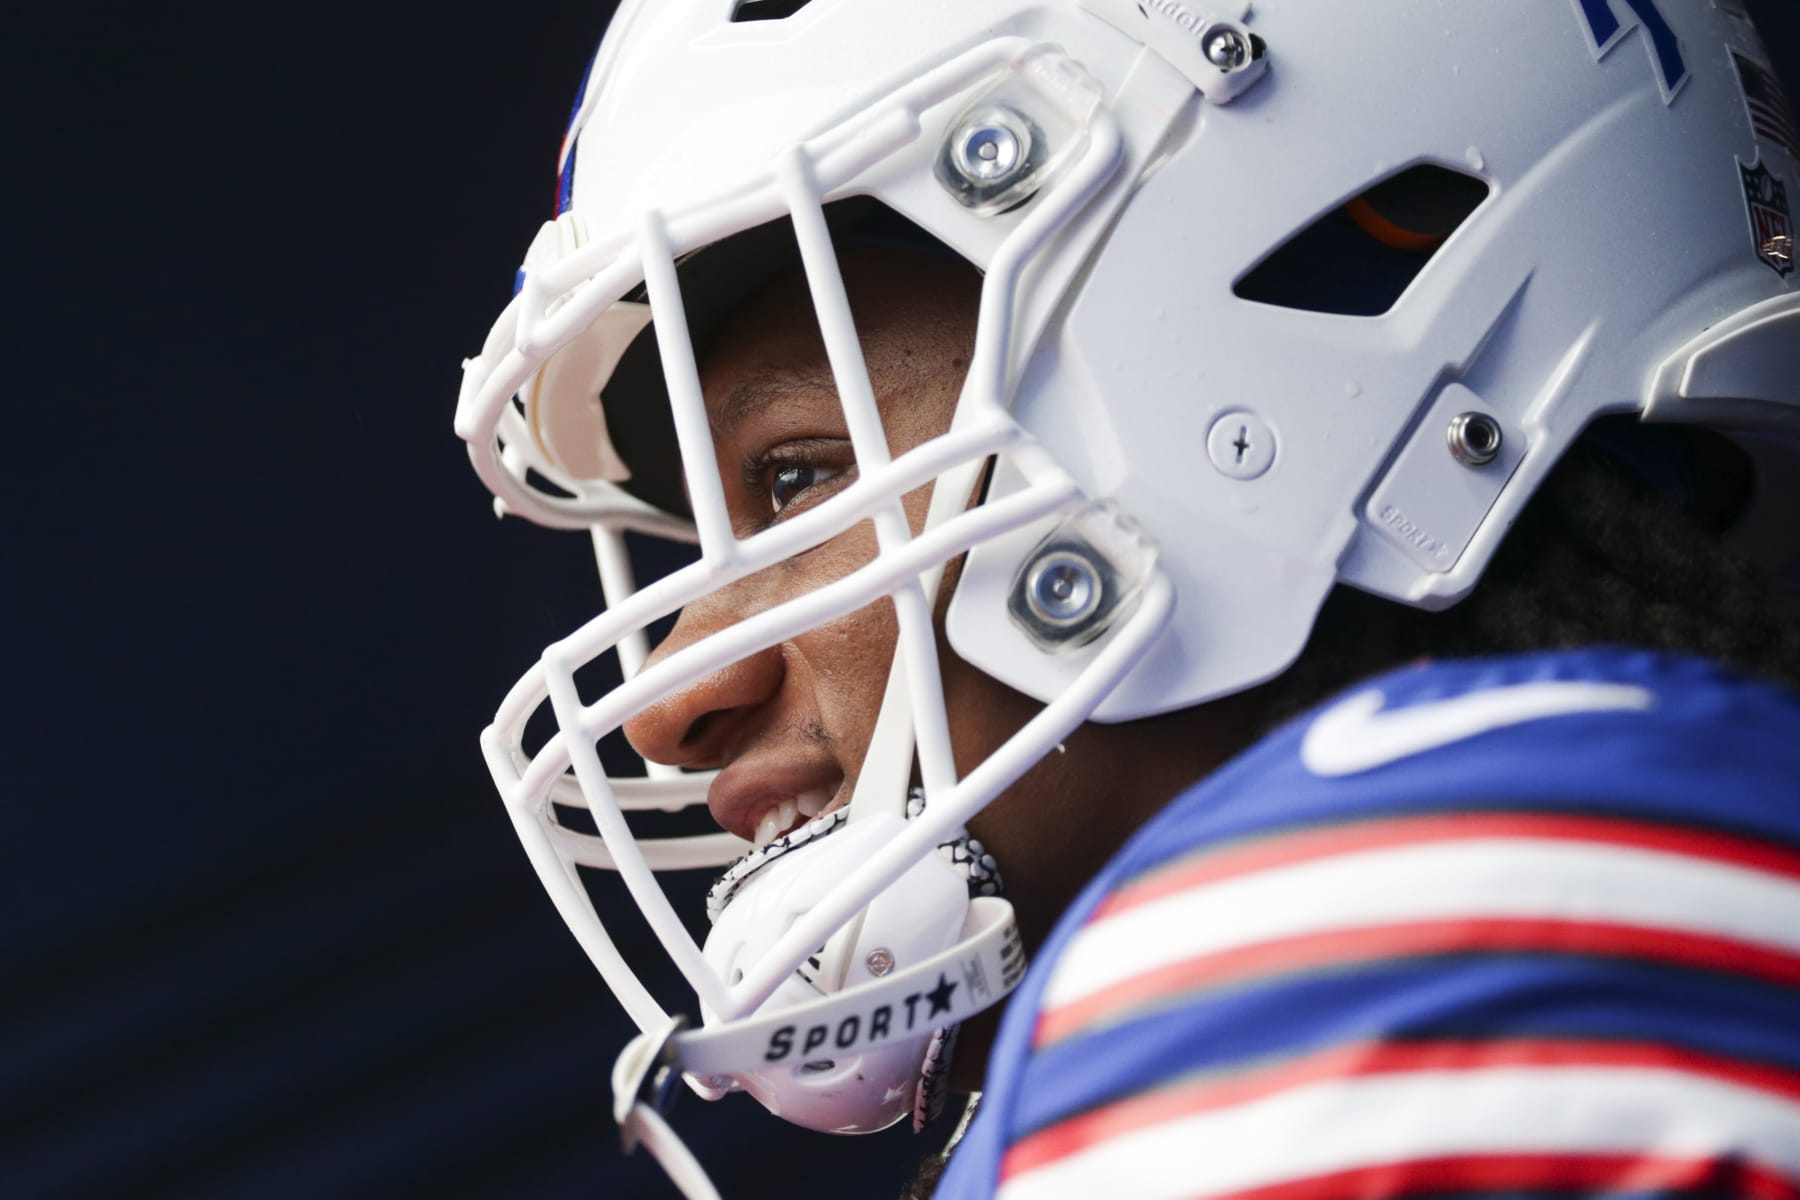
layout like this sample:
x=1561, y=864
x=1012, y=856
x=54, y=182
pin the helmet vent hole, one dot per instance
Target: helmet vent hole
x=1359, y=258
x=766, y=10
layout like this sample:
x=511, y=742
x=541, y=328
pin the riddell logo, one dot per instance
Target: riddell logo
x=1183, y=16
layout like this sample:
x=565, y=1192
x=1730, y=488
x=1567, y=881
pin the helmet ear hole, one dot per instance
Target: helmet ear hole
x=1358, y=259
x=1419, y=208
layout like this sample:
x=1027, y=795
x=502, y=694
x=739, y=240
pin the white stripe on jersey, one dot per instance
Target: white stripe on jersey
x=1495, y=877
x=1342, y=1124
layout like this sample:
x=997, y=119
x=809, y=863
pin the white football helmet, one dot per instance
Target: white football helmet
x=1196, y=417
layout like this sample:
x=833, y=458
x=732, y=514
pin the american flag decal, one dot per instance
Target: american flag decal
x=1767, y=105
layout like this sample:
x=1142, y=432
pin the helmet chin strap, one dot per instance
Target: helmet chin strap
x=950, y=986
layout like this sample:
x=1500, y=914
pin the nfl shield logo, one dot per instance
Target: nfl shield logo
x=1771, y=225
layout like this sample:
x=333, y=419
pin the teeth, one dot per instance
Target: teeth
x=775, y=822
x=788, y=814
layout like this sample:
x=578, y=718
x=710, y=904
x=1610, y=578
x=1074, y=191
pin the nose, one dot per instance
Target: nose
x=699, y=726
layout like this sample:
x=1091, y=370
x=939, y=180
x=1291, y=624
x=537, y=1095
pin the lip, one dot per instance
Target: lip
x=741, y=793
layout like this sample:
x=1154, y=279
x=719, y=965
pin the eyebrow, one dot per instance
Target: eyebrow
x=752, y=396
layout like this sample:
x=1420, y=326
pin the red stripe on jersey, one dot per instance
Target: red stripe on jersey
x=1572, y=1173
x=1136, y=1113
x=1338, y=947
x=1331, y=841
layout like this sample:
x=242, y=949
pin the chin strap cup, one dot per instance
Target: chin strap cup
x=943, y=990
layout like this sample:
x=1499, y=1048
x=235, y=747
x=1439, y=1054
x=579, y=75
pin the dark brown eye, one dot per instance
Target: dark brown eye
x=788, y=482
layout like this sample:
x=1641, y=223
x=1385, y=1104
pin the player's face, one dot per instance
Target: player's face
x=789, y=727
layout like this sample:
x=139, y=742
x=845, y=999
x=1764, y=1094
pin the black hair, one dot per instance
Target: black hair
x=925, y=1180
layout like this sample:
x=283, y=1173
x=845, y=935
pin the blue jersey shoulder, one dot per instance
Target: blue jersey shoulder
x=1597, y=748
x=1596, y=731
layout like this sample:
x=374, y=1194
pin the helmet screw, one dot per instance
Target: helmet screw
x=1241, y=445
x=879, y=962
x=991, y=147
x=1475, y=439
x=1226, y=49
x=1062, y=588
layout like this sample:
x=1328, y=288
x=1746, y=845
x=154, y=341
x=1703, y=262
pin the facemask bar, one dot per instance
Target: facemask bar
x=917, y=647
x=617, y=578
x=981, y=430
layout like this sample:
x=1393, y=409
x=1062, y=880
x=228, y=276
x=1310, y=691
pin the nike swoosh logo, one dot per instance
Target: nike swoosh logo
x=1355, y=735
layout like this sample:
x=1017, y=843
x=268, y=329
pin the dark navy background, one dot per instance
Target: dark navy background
x=266, y=931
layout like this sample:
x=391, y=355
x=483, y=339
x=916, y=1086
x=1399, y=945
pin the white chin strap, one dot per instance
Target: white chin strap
x=943, y=990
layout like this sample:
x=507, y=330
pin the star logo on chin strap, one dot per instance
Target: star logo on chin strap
x=940, y=995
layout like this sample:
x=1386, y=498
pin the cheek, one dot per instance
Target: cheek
x=983, y=712
x=846, y=659
x=845, y=665
x=1050, y=833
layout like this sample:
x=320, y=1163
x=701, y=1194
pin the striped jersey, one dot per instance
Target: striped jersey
x=1523, y=926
